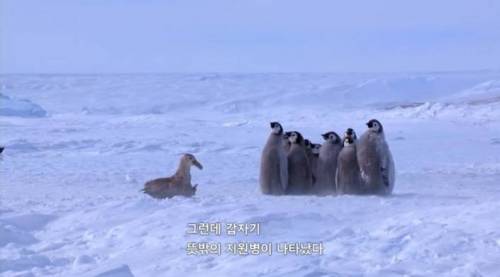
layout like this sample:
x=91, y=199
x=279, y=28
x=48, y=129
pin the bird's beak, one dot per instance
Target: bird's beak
x=197, y=164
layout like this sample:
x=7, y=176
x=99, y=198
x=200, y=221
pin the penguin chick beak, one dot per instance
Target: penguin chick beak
x=197, y=164
x=369, y=124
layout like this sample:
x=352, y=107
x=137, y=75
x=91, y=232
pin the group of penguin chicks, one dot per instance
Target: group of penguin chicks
x=292, y=165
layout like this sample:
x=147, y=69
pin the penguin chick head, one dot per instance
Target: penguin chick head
x=375, y=126
x=331, y=137
x=315, y=148
x=350, y=133
x=277, y=128
x=307, y=143
x=295, y=137
x=190, y=160
x=349, y=140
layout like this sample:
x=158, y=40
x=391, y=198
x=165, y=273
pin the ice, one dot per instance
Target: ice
x=19, y=107
x=486, y=92
x=70, y=203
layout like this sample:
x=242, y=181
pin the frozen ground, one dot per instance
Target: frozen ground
x=70, y=206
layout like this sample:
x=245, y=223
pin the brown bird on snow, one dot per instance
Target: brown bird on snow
x=177, y=184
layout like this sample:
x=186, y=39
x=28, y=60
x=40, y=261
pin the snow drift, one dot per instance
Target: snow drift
x=19, y=107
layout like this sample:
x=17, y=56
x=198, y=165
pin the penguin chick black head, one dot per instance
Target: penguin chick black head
x=277, y=128
x=350, y=133
x=295, y=137
x=307, y=143
x=375, y=126
x=349, y=137
x=315, y=148
x=331, y=136
x=349, y=140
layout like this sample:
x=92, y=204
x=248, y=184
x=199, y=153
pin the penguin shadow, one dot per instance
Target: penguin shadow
x=412, y=195
x=495, y=141
x=398, y=138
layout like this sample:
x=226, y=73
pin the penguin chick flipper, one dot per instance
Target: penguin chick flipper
x=385, y=176
x=283, y=172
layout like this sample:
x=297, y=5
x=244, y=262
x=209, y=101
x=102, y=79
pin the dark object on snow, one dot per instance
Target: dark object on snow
x=1, y=149
x=177, y=184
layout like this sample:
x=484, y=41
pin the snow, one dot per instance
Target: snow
x=19, y=107
x=70, y=203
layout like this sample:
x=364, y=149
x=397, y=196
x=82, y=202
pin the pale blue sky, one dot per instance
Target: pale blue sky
x=112, y=36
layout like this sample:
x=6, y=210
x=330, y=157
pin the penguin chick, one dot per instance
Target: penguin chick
x=299, y=170
x=177, y=184
x=313, y=160
x=286, y=142
x=308, y=147
x=316, y=147
x=274, y=164
x=327, y=164
x=375, y=160
x=310, y=157
x=348, y=178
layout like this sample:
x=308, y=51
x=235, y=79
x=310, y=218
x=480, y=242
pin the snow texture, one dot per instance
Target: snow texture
x=69, y=182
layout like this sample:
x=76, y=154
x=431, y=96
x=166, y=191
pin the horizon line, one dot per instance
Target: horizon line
x=252, y=72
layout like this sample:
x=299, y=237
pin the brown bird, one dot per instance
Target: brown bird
x=177, y=184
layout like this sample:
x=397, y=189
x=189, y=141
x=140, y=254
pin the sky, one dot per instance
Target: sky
x=134, y=36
